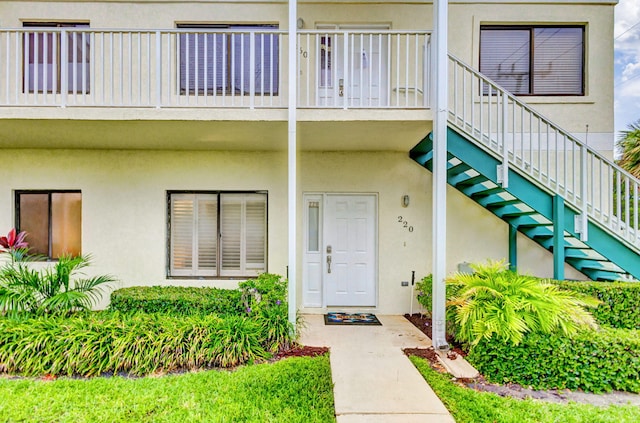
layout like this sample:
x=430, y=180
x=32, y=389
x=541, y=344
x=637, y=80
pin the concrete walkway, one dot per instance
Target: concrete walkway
x=373, y=380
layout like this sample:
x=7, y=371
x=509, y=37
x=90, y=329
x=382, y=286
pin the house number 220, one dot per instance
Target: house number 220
x=405, y=224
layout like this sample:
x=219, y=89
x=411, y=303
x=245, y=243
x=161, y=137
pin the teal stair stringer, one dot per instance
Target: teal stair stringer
x=529, y=208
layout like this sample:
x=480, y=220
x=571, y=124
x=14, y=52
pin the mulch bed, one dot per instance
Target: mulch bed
x=302, y=351
x=512, y=390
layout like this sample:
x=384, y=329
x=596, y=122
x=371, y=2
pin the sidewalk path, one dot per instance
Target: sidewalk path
x=374, y=381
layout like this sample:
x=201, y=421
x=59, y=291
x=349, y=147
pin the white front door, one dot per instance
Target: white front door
x=340, y=260
x=352, y=67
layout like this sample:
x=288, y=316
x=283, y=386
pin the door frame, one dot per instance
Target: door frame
x=317, y=298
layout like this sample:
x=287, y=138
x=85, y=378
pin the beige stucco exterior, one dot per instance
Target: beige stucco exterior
x=125, y=159
x=124, y=208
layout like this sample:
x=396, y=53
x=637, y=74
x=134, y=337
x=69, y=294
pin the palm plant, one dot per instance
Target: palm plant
x=52, y=290
x=629, y=144
x=494, y=301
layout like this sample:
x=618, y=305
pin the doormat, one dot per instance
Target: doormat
x=337, y=318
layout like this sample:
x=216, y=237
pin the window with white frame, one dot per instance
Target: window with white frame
x=534, y=60
x=53, y=58
x=217, y=234
x=229, y=59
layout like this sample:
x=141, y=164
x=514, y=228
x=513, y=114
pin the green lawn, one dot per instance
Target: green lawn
x=291, y=390
x=467, y=405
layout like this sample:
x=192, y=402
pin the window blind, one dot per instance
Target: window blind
x=221, y=62
x=543, y=60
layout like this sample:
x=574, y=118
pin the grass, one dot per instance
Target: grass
x=291, y=390
x=467, y=405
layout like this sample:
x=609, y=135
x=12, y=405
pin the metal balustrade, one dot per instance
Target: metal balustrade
x=207, y=68
x=556, y=160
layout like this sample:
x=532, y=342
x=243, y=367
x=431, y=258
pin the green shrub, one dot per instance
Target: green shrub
x=135, y=344
x=594, y=361
x=424, y=290
x=180, y=301
x=620, y=307
x=265, y=298
x=494, y=301
x=55, y=289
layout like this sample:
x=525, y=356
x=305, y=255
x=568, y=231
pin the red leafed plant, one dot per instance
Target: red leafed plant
x=14, y=240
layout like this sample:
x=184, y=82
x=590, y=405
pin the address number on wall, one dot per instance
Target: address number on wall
x=405, y=224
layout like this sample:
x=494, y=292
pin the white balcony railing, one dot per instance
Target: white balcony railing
x=363, y=69
x=222, y=68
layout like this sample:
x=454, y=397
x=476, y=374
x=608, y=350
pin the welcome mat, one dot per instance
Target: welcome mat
x=337, y=318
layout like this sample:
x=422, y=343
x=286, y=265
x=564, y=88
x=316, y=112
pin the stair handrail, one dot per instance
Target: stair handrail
x=524, y=138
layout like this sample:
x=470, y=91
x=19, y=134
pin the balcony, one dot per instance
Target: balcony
x=187, y=88
x=239, y=68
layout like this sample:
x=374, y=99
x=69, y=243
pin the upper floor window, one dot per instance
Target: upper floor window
x=52, y=220
x=217, y=234
x=534, y=60
x=53, y=59
x=234, y=59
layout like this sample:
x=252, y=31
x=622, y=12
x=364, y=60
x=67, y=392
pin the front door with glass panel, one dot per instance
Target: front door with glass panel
x=340, y=259
x=352, y=66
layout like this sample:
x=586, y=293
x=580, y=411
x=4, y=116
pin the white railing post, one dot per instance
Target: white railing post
x=345, y=72
x=252, y=69
x=503, y=169
x=158, y=69
x=582, y=224
x=64, y=67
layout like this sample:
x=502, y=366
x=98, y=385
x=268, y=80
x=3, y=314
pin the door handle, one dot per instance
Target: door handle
x=328, y=264
x=341, y=87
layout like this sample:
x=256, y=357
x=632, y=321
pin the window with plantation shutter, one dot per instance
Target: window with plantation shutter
x=207, y=229
x=221, y=62
x=534, y=60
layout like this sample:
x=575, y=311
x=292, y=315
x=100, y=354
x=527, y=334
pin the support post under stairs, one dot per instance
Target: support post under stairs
x=558, y=237
x=513, y=248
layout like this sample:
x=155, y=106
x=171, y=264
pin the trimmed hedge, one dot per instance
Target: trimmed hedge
x=137, y=344
x=620, y=306
x=179, y=301
x=594, y=361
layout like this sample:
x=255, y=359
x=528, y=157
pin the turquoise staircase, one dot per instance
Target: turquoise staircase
x=560, y=194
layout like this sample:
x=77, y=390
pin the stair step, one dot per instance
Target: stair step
x=589, y=264
x=548, y=243
x=601, y=275
x=457, y=169
x=582, y=253
x=538, y=232
x=496, y=200
x=464, y=179
x=525, y=221
x=511, y=211
x=480, y=190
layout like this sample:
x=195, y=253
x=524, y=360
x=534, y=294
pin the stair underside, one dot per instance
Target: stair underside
x=524, y=205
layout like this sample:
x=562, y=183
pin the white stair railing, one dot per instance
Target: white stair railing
x=550, y=156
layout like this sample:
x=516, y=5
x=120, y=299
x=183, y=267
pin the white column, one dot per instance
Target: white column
x=440, y=92
x=292, y=159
